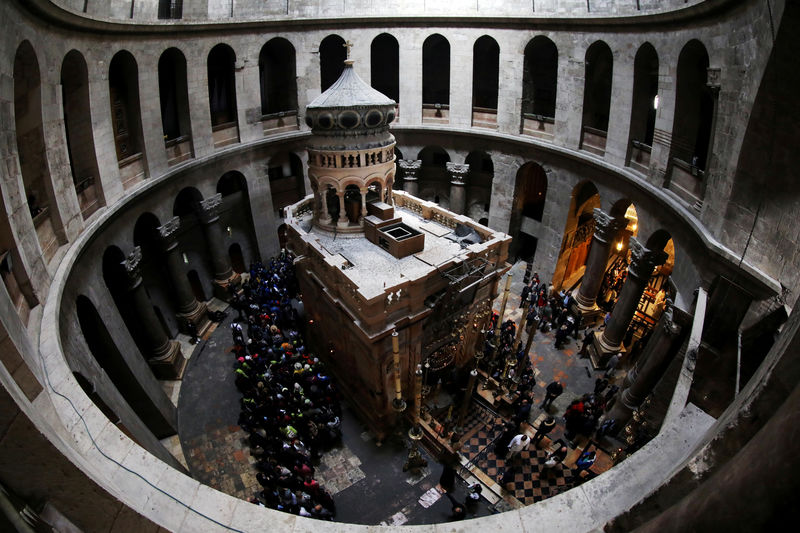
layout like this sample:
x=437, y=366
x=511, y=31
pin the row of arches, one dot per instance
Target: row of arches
x=153, y=275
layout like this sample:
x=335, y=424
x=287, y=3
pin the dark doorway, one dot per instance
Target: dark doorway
x=385, y=65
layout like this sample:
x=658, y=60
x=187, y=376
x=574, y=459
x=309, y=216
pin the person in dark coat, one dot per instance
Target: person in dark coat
x=501, y=444
x=553, y=391
x=546, y=426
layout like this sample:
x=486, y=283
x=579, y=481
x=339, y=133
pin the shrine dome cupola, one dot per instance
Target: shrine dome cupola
x=351, y=152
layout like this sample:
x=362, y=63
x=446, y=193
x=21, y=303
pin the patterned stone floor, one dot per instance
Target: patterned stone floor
x=367, y=482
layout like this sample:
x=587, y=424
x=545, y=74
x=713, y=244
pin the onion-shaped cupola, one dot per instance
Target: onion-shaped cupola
x=351, y=152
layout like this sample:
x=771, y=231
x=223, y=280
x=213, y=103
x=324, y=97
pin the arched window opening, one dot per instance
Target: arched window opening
x=539, y=82
x=278, y=79
x=170, y=9
x=436, y=80
x=174, y=95
x=222, y=95
x=530, y=193
x=643, y=108
x=485, y=78
x=31, y=147
x=385, y=66
x=596, y=98
x=332, y=54
x=123, y=82
x=78, y=133
x=695, y=103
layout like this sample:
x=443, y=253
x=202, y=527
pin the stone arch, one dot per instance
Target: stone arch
x=599, y=63
x=173, y=91
x=435, y=79
x=29, y=127
x=539, y=78
x=236, y=215
x=123, y=83
x=643, y=107
x=332, y=54
x=434, y=181
x=479, y=184
x=186, y=201
x=221, y=64
x=485, y=81
x=78, y=133
x=385, y=65
x=277, y=68
x=286, y=181
x=695, y=104
x=530, y=193
x=578, y=232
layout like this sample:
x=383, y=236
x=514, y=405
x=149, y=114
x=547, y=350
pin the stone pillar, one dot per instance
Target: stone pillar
x=713, y=84
x=458, y=193
x=343, y=221
x=189, y=309
x=363, y=191
x=164, y=357
x=325, y=217
x=648, y=371
x=220, y=264
x=643, y=261
x=605, y=230
x=410, y=168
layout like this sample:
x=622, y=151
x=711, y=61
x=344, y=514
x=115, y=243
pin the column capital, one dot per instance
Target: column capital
x=644, y=260
x=667, y=322
x=132, y=266
x=457, y=172
x=168, y=230
x=208, y=208
x=606, y=227
x=410, y=167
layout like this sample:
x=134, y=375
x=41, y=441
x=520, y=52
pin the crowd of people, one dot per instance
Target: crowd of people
x=290, y=407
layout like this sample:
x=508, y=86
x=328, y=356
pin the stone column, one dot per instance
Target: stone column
x=713, y=84
x=648, y=371
x=164, y=355
x=643, y=261
x=458, y=193
x=343, y=221
x=220, y=264
x=605, y=230
x=325, y=217
x=363, y=191
x=410, y=168
x=189, y=309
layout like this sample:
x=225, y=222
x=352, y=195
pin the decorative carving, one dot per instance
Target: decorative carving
x=644, y=260
x=167, y=231
x=670, y=327
x=457, y=172
x=410, y=168
x=606, y=227
x=132, y=263
x=208, y=208
x=713, y=78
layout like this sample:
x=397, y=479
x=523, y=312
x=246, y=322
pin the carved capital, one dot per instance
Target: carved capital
x=606, y=227
x=167, y=231
x=644, y=260
x=714, y=78
x=667, y=322
x=410, y=167
x=457, y=172
x=208, y=208
x=132, y=264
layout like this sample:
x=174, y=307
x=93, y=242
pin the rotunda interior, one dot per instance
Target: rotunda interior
x=386, y=183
